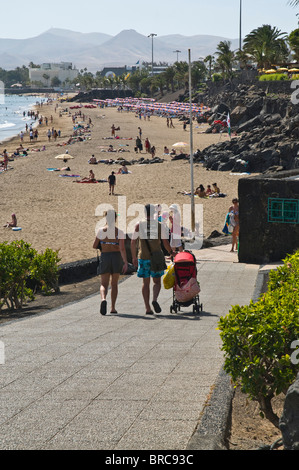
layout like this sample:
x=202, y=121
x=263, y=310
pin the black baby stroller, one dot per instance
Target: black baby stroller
x=186, y=288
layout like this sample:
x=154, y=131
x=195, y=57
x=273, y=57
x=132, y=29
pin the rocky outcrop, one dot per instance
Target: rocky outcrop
x=289, y=422
x=101, y=94
x=265, y=134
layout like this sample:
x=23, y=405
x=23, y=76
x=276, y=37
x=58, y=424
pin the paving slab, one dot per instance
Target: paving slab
x=76, y=380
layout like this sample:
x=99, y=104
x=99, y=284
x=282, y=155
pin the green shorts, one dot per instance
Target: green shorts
x=144, y=269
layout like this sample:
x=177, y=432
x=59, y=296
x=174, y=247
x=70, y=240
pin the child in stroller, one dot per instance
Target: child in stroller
x=186, y=288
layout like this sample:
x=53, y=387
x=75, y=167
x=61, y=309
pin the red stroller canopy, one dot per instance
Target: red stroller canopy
x=184, y=257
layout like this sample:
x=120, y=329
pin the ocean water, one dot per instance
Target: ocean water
x=12, y=119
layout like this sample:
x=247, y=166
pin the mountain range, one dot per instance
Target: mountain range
x=95, y=51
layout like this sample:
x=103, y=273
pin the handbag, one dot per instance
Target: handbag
x=188, y=291
x=157, y=259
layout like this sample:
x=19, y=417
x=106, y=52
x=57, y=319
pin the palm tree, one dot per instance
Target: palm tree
x=266, y=45
x=243, y=59
x=294, y=43
x=198, y=73
x=182, y=74
x=169, y=75
x=210, y=59
x=294, y=3
x=226, y=58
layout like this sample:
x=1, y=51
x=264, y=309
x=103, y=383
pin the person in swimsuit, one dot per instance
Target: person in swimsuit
x=113, y=260
x=91, y=178
x=234, y=210
x=13, y=222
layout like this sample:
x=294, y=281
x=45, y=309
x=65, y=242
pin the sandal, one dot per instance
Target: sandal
x=103, y=308
x=149, y=313
x=156, y=306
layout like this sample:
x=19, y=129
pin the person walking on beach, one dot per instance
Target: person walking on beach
x=139, y=146
x=5, y=160
x=150, y=232
x=113, y=261
x=112, y=183
x=147, y=145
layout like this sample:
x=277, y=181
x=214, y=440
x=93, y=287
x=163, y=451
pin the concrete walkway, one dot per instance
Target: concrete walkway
x=73, y=379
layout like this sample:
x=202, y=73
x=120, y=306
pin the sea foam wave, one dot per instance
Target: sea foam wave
x=7, y=125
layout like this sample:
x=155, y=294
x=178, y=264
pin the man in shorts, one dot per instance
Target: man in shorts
x=112, y=183
x=150, y=233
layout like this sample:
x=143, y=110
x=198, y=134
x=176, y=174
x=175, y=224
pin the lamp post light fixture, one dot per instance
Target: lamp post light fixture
x=177, y=53
x=152, y=35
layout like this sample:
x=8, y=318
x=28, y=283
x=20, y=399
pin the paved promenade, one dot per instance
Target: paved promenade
x=73, y=379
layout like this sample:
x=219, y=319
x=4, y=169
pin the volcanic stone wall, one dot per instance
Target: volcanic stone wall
x=262, y=241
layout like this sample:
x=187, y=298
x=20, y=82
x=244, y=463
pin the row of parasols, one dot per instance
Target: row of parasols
x=150, y=105
x=280, y=70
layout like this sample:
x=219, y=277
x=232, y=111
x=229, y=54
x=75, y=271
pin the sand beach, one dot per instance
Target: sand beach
x=55, y=211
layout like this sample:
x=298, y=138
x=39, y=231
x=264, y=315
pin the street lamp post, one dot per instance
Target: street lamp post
x=191, y=147
x=152, y=35
x=177, y=53
x=240, y=43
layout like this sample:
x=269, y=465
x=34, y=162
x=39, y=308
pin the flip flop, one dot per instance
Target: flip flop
x=103, y=309
x=156, y=306
x=113, y=311
x=149, y=313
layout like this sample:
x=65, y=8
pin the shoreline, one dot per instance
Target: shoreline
x=55, y=213
x=34, y=124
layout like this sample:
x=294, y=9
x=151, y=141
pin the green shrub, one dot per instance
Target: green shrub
x=273, y=77
x=257, y=339
x=19, y=263
x=45, y=271
x=217, y=77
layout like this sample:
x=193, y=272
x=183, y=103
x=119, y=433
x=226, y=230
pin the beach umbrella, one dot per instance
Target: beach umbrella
x=180, y=144
x=282, y=69
x=271, y=71
x=65, y=157
x=294, y=70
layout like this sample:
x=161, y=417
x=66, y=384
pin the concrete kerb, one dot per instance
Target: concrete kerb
x=213, y=430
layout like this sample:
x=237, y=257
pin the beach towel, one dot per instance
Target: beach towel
x=228, y=227
x=87, y=182
x=69, y=176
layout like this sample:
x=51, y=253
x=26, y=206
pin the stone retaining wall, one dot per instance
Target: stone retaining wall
x=262, y=241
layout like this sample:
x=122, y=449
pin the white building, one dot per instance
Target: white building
x=47, y=72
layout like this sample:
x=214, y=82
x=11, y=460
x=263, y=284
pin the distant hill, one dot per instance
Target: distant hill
x=97, y=50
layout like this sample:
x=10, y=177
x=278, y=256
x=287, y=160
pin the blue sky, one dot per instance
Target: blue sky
x=187, y=17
